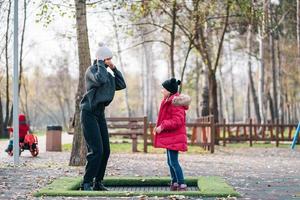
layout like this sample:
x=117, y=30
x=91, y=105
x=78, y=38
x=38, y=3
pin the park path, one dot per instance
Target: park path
x=257, y=173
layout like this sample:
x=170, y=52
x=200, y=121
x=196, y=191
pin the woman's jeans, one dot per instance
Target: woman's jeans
x=175, y=169
x=96, y=136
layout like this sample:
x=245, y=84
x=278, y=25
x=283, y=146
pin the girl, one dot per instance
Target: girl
x=170, y=130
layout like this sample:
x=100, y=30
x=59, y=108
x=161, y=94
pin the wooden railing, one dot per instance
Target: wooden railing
x=133, y=127
x=203, y=131
x=237, y=132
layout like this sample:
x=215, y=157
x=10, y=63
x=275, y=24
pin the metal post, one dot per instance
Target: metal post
x=212, y=134
x=145, y=134
x=296, y=136
x=15, y=86
x=250, y=134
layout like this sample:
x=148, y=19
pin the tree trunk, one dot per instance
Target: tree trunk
x=7, y=66
x=298, y=27
x=223, y=99
x=251, y=81
x=22, y=45
x=78, y=147
x=26, y=110
x=2, y=134
x=148, y=76
x=184, y=66
x=205, y=94
x=172, y=35
x=121, y=63
x=197, y=88
x=143, y=87
x=261, y=82
x=62, y=109
x=273, y=64
x=279, y=85
x=247, y=105
x=271, y=106
x=10, y=120
x=213, y=95
x=149, y=79
x=232, y=97
x=220, y=100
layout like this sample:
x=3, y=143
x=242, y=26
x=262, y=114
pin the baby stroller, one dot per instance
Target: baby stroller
x=30, y=143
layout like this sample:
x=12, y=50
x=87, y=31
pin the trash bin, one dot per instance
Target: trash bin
x=53, y=138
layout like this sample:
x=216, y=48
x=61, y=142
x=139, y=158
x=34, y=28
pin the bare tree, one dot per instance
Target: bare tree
x=224, y=110
x=172, y=38
x=232, y=93
x=1, y=117
x=197, y=86
x=24, y=100
x=78, y=147
x=22, y=43
x=185, y=65
x=273, y=63
x=298, y=27
x=250, y=77
x=261, y=83
x=247, y=105
x=21, y=56
x=148, y=79
x=202, y=41
x=7, y=65
x=279, y=83
x=117, y=38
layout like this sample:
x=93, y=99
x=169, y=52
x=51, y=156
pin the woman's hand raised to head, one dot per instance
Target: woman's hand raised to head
x=109, y=63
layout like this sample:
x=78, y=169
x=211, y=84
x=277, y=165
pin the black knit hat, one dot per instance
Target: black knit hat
x=171, y=85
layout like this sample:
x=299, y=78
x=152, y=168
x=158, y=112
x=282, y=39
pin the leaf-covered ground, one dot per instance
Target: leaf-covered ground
x=256, y=173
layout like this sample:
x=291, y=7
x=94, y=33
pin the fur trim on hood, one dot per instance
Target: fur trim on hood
x=182, y=100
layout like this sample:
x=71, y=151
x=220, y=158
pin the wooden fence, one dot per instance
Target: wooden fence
x=133, y=127
x=237, y=132
x=204, y=132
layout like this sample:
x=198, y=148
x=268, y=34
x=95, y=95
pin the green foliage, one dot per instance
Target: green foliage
x=50, y=11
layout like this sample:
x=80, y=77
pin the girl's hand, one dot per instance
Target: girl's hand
x=154, y=131
x=158, y=129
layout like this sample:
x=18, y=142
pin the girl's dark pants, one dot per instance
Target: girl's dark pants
x=175, y=168
x=96, y=136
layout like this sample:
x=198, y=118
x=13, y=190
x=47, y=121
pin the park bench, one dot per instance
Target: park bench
x=131, y=127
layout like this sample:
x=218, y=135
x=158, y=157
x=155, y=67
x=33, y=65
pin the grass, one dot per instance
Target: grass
x=39, y=132
x=127, y=148
x=208, y=187
x=256, y=145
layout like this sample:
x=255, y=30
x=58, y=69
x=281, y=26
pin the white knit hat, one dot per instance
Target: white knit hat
x=103, y=52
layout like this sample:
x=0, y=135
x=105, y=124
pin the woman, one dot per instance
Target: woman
x=101, y=86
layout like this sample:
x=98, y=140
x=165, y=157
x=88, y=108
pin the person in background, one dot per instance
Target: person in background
x=23, y=131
